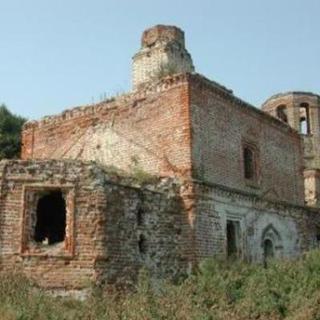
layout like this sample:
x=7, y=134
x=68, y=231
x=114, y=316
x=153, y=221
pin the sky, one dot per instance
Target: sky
x=58, y=54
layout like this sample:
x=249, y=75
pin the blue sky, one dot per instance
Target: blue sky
x=62, y=53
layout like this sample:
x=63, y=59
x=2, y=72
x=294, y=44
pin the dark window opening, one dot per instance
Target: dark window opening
x=282, y=113
x=268, y=249
x=142, y=244
x=140, y=216
x=304, y=119
x=232, y=238
x=51, y=218
x=249, y=163
x=318, y=237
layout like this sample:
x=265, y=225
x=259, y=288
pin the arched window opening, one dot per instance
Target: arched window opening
x=268, y=249
x=304, y=119
x=50, y=218
x=142, y=244
x=282, y=113
x=249, y=163
x=233, y=229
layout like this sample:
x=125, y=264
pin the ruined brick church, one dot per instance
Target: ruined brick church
x=221, y=178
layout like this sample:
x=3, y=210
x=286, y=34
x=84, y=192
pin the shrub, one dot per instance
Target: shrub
x=218, y=290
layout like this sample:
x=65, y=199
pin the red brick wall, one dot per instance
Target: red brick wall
x=221, y=124
x=149, y=130
x=102, y=229
x=70, y=263
x=152, y=130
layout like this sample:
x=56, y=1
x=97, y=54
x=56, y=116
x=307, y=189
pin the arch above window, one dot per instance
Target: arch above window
x=270, y=232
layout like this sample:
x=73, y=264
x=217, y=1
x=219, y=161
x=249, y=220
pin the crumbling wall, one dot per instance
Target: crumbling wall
x=162, y=52
x=70, y=263
x=113, y=227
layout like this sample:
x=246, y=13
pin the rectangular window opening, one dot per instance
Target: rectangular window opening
x=249, y=163
x=233, y=238
x=48, y=213
x=50, y=227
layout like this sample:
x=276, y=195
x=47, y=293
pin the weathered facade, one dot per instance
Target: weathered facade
x=232, y=180
x=106, y=229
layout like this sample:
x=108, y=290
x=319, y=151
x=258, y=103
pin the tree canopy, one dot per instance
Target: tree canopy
x=10, y=133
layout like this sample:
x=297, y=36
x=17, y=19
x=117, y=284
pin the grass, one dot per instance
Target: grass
x=218, y=290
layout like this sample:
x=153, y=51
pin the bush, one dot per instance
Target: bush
x=219, y=290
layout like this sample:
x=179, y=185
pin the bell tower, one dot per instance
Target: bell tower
x=301, y=111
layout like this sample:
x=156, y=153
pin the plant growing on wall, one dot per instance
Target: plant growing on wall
x=138, y=174
x=164, y=70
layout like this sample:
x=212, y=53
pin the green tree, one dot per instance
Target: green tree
x=10, y=133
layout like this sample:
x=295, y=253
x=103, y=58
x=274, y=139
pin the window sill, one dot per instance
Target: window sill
x=58, y=250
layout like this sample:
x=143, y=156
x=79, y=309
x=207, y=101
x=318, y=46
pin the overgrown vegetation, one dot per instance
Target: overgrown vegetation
x=10, y=133
x=218, y=290
x=164, y=70
x=136, y=174
x=139, y=175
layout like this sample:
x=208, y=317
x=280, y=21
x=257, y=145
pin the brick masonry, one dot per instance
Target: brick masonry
x=103, y=229
x=184, y=125
x=149, y=129
x=222, y=124
x=162, y=48
x=293, y=229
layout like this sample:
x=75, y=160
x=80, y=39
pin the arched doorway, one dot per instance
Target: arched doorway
x=268, y=250
x=271, y=243
x=233, y=239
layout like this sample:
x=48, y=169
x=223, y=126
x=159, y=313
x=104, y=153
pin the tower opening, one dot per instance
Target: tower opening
x=304, y=118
